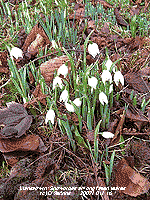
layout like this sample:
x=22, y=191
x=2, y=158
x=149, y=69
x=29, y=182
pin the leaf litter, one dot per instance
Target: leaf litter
x=35, y=163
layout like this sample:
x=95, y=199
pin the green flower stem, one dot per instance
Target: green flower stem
x=55, y=95
x=111, y=99
x=84, y=109
x=89, y=116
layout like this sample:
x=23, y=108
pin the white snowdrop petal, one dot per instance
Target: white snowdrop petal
x=118, y=77
x=77, y=102
x=107, y=135
x=69, y=107
x=111, y=88
x=103, y=98
x=16, y=52
x=54, y=44
x=106, y=76
x=108, y=64
x=93, y=49
x=64, y=96
x=50, y=116
x=63, y=69
x=92, y=82
x=57, y=80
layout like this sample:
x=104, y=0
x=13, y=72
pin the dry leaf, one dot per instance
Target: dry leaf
x=39, y=95
x=119, y=19
x=16, y=120
x=24, y=143
x=37, y=29
x=48, y=68
x=127, y=177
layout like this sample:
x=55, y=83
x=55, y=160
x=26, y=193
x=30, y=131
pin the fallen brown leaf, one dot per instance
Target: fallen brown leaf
x=48, y=68
x=24, y=143
x=16, y=120
x=36, y=30
x=127, y=177
x=119, y=19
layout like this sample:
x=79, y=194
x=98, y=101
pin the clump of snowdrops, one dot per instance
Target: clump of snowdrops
x=88, y=87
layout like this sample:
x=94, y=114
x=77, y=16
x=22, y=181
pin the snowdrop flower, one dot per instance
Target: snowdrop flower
x=64, y=96
x=93, y=49
x=107, y=135
x=103, y=98
x=54, y=44
x=92, y=82
x=16, y=52
x=69, y=107
x=50, y=116
x=118, y=77
x=57, y=80
x=77, y=79
x=63, y=69
x=108, y=64
x=77, y=102
x=106, y=76
x=111, y=88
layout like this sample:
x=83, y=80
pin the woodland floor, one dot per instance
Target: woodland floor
x=37, y=156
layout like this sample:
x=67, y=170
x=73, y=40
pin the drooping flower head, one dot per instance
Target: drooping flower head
x=77, y=102
x=57, y=81
x=92, y=82
x=69, y=107
x=64, y=96
x=106, y=76
x=93, y=49
x=118, y=77
x=108, y=64
x=111, y=88
x=63, y=69
x=16, y=52
x=103, y=98
x=50, y=116
x=107, y=135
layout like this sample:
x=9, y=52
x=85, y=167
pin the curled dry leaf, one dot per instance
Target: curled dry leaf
x=37, y=43
x=16, y=120
x=25, y=143
x=12, y=136
x=48, y=68
x=14, y=149
x=127, y=177
x=138, y=118
x=36, y=32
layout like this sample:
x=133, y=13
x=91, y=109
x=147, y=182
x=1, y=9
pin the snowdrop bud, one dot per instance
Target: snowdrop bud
x=118, y=77
x=50, y=116
x=111, y=88
x=77, y=79
x=69, y=107
x=57, y=80
x=106, y=76
x=93, y=49
x=63, y=69
x=77, y=102
x=16, y=52
x=92, y=82
x=107, y=135
x=103, y=98
x=108, y=64
x=64, y=96
x=54, y=44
